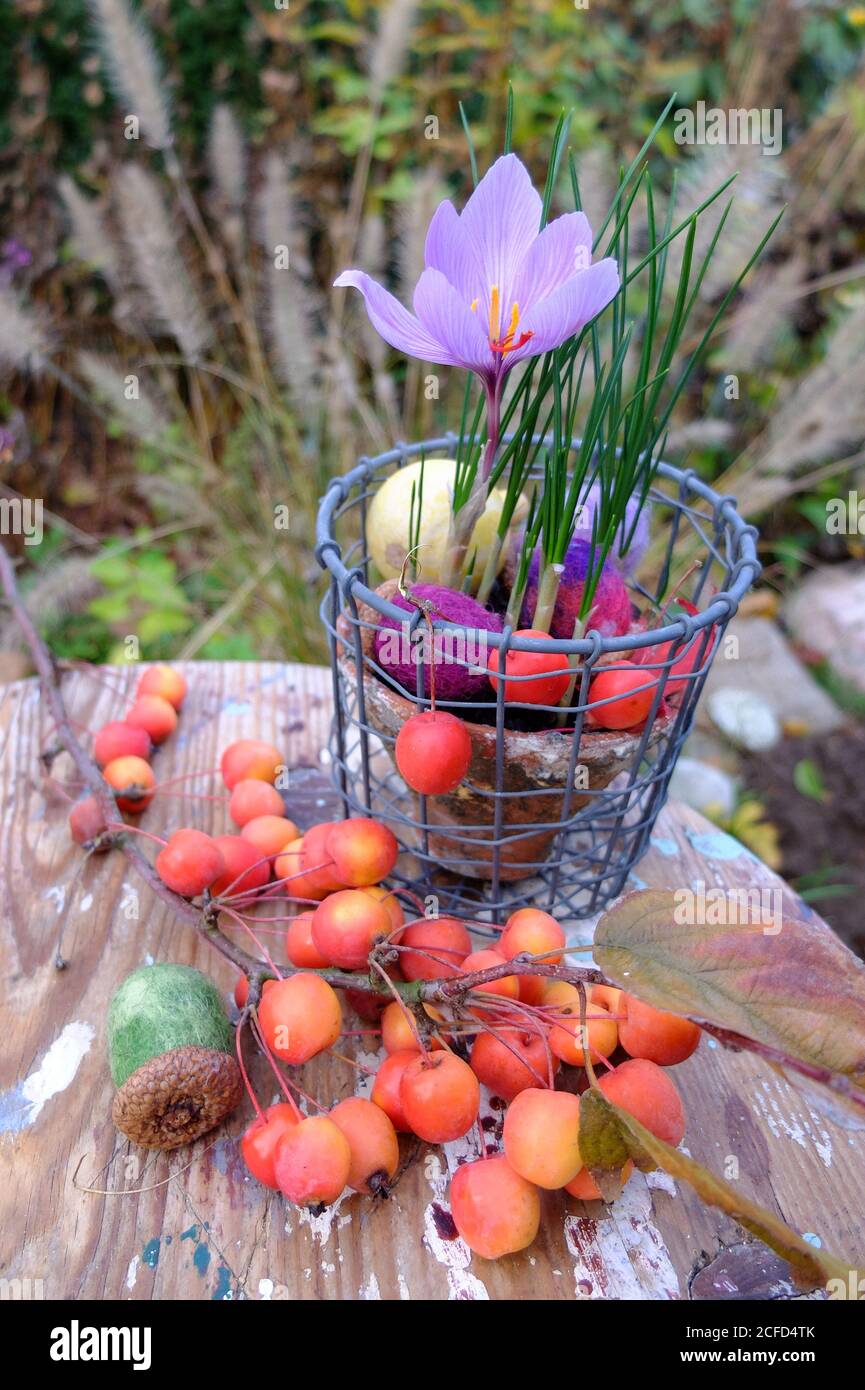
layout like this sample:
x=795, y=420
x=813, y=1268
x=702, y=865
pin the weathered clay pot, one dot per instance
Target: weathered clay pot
x=536, y=767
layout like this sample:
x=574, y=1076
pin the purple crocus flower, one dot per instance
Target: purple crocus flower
x=495, y=289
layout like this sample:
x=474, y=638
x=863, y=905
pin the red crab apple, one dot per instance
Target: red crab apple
x=87, y=822
x=251, y=799
x=562, y=1001
x=691, y=659
x=541, y=1136
x=386, y=1088
x=372, y=1139
x=190, y=862
x=630, y=691
x=155, y=715
x=241, y=990
x=133, y=782
x=118, y=739
x=164, y=681
x=300, y=1017
x=511, y=1061
x=439, y=945
x=389, y=901
x=536, y=933
x=647, y=1093
x=249, y=758
x=433, y=751
x=300, y=947
x=584, y=1187
x=307, y=865
x=362, y=850
x=258, y=1144
x=244, y=869
x=269, y=834
x=496, y=1211
x=346, y=926
x=370, y=1007
x=440, y=1097
x=548, y=671
x=312, y=1162
x=397, y=1033
x=654, y=1035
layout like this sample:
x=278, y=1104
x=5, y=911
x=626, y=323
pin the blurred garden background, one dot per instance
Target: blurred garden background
x=168, y=386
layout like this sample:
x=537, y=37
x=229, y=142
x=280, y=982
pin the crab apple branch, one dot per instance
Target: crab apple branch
x=205, y=920
x=92, y=777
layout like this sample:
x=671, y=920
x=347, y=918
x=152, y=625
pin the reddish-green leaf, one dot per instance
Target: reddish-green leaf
x=791, y=987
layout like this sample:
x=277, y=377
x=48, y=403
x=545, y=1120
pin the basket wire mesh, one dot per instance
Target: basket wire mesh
x=575, y=857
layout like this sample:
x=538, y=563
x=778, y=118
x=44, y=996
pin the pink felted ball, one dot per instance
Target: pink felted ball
x=456, y=653
x=611, y=607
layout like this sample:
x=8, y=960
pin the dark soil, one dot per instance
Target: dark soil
x=822, y=837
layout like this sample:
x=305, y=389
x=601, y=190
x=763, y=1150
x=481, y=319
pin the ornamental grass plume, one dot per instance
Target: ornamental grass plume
x=25, y=341
x=134, y=69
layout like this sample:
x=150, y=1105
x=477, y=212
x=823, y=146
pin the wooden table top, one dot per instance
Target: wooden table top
x=201, y=1227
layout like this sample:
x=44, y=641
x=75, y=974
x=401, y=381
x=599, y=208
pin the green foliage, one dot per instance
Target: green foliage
x=209, y=47
x=11, y=23
x=808, y=780
x=142, y=598
x=55, y=41
x=160, y=1007
x=465, y=50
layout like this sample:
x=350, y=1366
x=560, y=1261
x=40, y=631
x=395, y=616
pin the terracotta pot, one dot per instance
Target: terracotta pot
x=536, y=766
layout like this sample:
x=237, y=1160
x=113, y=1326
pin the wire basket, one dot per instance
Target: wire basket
x=554, y=817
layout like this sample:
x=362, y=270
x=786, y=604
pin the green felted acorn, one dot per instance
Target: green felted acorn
x=170, y=1052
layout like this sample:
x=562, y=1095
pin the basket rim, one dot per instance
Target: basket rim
x=746, y=566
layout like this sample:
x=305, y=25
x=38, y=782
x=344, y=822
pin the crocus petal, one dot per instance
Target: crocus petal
x=563, y=247
x=501, y=219
x=394, y=322
x=567, y=310
x=447, y=317
x=449, y=249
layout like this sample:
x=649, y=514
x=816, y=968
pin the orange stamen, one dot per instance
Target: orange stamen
x=507, y=344
x=495, y=313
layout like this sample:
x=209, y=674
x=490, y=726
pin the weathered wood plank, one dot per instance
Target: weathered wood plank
x=209, y=1232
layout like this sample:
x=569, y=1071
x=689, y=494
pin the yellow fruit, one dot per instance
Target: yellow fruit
x=387, y=526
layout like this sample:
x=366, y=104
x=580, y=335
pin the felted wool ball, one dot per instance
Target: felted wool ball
x=611, y=607
x=628, y=562
x=455, y=652
x=387, y=525
x=159, y=1007
x=170, y=1052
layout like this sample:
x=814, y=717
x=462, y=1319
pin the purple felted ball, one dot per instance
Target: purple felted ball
x=454, y=681
x=611, y=607
x=628, y=562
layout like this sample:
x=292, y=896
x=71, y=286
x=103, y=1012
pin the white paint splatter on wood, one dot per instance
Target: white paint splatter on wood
x=623, y=1257
x=57, y=1068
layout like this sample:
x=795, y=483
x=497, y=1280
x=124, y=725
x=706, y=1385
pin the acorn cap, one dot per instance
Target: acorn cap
x=177, y=1096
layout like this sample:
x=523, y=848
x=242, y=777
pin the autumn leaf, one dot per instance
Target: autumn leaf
x=750, y=824
x=792, y=987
